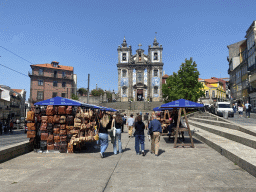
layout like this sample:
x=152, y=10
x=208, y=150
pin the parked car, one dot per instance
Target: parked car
x=221, y=107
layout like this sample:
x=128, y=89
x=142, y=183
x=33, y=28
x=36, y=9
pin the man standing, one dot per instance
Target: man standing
x=130, y=123
x=11, y=126
x=248, y=109
x=155, y=130
x=124, y=117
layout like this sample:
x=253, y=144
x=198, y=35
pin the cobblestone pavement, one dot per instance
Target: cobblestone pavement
x=175, y=169
x=12, y=138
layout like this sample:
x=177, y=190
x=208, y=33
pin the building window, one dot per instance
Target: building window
x=124, y=90
x=213, y=94
x=63, y=74
x=155, y=56
x=124, y=73
x=40, y=82
x=155, y=90
x=139, y=56
x=55, y=64
x=155, y=73
x=55, y=83
x=139, y=76
x=41, y=71
x=124, y=57
x=55, y=74
x=207, y=94
x=40, y=95
x=54, y=94
x=63, y=94
x=63, y=84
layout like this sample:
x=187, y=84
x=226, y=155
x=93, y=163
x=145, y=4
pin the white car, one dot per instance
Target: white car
x=221, y=107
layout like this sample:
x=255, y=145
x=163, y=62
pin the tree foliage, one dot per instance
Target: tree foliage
x=74, y=97
x=82, y=91
x=184, y=84
x=97, y=92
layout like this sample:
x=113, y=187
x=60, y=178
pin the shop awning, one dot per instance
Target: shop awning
x=59, y=101
x=181, y=103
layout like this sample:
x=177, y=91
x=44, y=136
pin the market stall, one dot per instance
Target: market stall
x=59, y=124
x=182, y=104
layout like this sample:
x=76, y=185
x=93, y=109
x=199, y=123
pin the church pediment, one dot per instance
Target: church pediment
x=141, y=85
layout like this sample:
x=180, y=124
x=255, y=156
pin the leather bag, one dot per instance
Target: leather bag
x=31, y=116
x=31, y=126
x=63, y=132
x=31, y=134
x=50, y=139
x=50, y=110
x=62, y=110
x=70, y=120
x=44, y=136
x=62, y=119
x=69, y=110
x=63, y=127
x=56, y=139
x=56, y=131
x=50, y=119
x=56, y=119
x=50, y=147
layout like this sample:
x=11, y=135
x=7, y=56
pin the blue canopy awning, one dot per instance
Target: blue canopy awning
x=59, y=101
x=181, y=103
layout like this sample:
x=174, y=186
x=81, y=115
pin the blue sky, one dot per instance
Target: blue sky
x=86, y=34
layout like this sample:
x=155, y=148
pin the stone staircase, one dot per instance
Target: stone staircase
x=235, y=142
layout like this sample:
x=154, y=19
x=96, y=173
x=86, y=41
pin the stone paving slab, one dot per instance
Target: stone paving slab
x=176, y=169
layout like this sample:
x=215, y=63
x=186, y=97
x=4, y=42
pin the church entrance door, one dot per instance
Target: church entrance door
x=140, y=95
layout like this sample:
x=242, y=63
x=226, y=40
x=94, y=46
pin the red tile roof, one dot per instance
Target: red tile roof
x=199, y=79
x=211, y=80
x=165, y=76
x=47, y=65
x=17, y=90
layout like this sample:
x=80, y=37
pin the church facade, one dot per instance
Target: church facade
x=140, y=75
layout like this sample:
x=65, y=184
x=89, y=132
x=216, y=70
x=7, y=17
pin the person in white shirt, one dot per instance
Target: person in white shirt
x=248, y=109
x=240, y=110
x=130, y=123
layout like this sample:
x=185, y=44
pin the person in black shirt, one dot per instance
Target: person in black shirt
x=117, y=123
x=139, y=135
x=102, y=126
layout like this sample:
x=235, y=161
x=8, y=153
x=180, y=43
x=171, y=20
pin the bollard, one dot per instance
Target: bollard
x=225, y=114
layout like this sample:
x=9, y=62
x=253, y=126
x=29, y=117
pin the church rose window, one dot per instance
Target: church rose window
x=155, y=56
x=124, y=57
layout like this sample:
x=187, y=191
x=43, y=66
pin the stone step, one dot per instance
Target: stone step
x=243, y=156
x=232, y=134
x=224, y=124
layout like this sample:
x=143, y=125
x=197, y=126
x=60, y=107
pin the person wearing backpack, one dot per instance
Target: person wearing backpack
x=248, y=109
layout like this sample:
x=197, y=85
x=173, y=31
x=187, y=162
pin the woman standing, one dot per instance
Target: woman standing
x=117, y=123
x=103, y=134
x=139, y=135
x=240, y=110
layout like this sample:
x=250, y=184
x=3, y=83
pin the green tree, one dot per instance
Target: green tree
x=82, y=91
x=74, y=97
x=184, y=84
x=97, y=92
